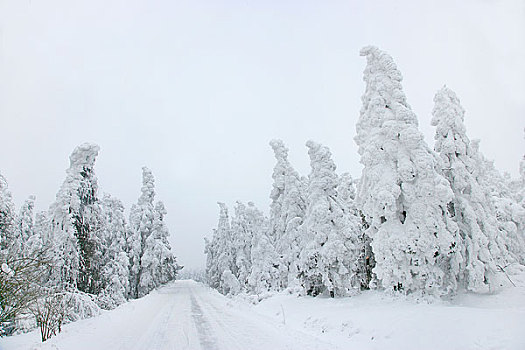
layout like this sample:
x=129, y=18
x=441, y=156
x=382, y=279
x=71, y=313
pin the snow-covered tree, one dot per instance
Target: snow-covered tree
x=517, y=186
x=401, y=192
x=41, y=228
x=7, y=214
x=211, y=272
x=21, y=267
x=249, y=228
x=287, y=211
x=28, y=240
x=508, y=245
x=328, y=262
x=141, y=219
x=221, y=267
x=115, y=271
x=470, y=208
x=76, y=224
x=518, y=189
x=226, y=267
x=242, y=236
x=346, y=194
x=151, y=259
x=264, y=274
x=159, y=263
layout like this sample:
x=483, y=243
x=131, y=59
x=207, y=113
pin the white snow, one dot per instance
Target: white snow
x=181, y=315
x=189, y=315
x=373, y=320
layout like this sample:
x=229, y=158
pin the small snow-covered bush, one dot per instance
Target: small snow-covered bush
x=56, y=308
x=230, y=284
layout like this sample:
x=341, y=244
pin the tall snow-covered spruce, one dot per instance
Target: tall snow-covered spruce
x=287, y=211
x=508, y=245
x=471, y=207
x=264, y=274
x=151, y=261
x=401, y=192
x=115, y=270
x=330, y=232
x=76, y=224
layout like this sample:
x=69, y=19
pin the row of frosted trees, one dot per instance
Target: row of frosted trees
x=417, y=221
x=81, y=247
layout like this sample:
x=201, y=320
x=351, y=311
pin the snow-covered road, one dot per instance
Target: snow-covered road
x=189, y=315
x=182, y=315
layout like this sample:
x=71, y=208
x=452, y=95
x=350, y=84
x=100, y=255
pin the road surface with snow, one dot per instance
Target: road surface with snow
x=189, y=315
x=181, y=315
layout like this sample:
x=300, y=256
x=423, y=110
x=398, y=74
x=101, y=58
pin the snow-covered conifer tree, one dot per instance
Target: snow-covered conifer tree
x=226, y=267
x=141, y=219
x=249, y=228
x=242, y=236
x=470, y=208
x=517, y=186
x=346, y=194
x=41, y=228
x=168, y=268
x=76, y=224
x=151, y=259
x=115, y=270
x=264, y=274
x=330, y=254
x=7, y=214
x=211, y=272
x=159, y=263
x=401, y=192
x=508, y=245
x=287, y=211
x=221, y=266
x=28, y=240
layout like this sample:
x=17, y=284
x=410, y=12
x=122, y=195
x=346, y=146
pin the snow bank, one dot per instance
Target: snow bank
x=374, y=320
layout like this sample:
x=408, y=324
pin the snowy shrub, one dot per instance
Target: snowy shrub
x=229, y=283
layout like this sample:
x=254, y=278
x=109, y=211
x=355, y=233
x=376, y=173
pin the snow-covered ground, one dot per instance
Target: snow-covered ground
x=189, y=315
x=182, y=315
x=373, y=320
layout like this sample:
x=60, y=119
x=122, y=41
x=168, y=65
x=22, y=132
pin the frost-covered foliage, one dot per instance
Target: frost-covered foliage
x=76, y=224
x=240, y=256
x=420, y=221
x=225, y=254
x=264, y=275
x=196, y=274
x=510, y=216
x=151, y=259
x=159, y=266
x=7, y=214
x=328, y=260
x=30, y=240
x=471, y=207
x=242, y=236
x=401, y=193
x=287, y=211
x=21, y=261
x=115, y=270
x=346, y=194
x=67, y=262
x=517, y=187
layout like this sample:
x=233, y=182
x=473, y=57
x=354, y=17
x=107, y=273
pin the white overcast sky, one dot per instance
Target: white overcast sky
x=196, y=89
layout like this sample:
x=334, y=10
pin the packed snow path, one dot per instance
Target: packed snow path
x=181, y=315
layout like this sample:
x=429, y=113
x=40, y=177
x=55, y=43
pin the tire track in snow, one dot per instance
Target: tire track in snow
x=206, y=338
x=241, y=328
